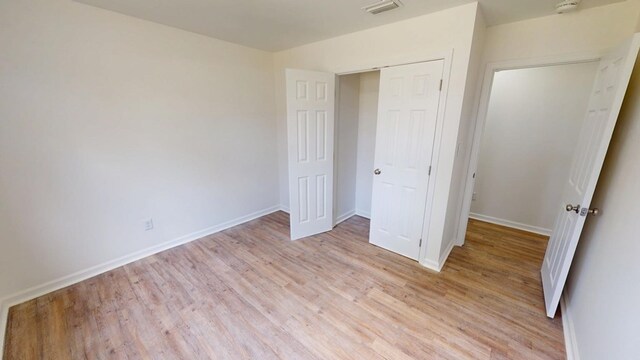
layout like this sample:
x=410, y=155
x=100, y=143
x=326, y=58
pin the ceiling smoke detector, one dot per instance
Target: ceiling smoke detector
x=382, y=6
x=567, y=6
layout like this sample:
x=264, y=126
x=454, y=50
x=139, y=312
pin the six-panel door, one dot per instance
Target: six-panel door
x=310, y=123
x=407, y=114
x=605, y=102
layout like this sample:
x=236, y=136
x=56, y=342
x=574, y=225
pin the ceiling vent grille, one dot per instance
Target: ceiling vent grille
x=567, y=6
x=382, y=6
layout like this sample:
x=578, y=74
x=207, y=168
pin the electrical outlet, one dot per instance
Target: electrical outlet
x=148, y=224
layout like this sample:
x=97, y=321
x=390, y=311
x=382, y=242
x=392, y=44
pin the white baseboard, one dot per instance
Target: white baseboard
x=511, y=224
x=569, y=331
x=62, y=282
x=446, y=253
x=285, y=208
x=364, y=214
x=437, y=266
x=344, y=217
x=431, y=265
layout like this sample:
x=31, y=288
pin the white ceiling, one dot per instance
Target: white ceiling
x=281, y=24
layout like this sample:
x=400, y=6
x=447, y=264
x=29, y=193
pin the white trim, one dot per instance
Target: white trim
x=398, y=60
x=445, y=256
x=435, y=157
x=62, y=282
x=431, y=265
x=364, y=214
x=570, y=340
x=446, y=55
x=511, y=224
x=481, y=117
x=344, y=217
x=284, y=208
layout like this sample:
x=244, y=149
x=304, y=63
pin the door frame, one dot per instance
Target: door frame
x=447, y=57
x=481, y=108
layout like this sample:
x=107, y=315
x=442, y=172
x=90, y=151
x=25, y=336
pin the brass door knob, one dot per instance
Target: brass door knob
x=573, y=208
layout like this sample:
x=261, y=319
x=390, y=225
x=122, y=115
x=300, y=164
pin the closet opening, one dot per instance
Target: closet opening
x=355, y=139
x=366, y=144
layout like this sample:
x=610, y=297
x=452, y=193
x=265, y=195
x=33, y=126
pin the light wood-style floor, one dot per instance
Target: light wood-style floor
x=250, y=293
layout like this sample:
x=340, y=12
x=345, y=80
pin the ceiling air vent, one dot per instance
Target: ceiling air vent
x=566, y=6
x=382, y=6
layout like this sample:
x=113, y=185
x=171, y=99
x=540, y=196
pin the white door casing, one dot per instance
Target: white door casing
x=407, y=114
x=310, y=137
x=605, y=102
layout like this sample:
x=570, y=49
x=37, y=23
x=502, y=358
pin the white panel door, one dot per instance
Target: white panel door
x=310, y=121
x=407, y=113
x=610, y=86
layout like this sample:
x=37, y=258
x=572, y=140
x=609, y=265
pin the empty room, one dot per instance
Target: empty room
x=298, y=179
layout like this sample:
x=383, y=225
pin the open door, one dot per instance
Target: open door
x=310, y=122
x=407, y=114
x=611, y=84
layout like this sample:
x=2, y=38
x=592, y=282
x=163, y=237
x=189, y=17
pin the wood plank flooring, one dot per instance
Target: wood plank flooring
x=250, y=293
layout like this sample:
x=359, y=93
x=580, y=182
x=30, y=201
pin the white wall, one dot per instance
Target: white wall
x=464, y=141
x=106, y=120
x=346, y=147
x=416, y=39
x=602, y=293
x=532, y=126
x=369, y=91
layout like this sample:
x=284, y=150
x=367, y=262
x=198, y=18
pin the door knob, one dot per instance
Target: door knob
x=594, y=211
x=377, y=171
x=573, y=208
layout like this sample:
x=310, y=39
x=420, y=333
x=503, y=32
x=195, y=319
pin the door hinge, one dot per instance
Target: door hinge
x=441, y=84
x=429, y=170
x=420, y=245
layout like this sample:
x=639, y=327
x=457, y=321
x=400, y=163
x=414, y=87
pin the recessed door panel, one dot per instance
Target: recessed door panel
x=310, y=122
x=407, y=114
x=605, y=102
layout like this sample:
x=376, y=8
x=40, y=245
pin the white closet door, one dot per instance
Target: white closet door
x=407, y=113
x=310, y=122
x=611, y=84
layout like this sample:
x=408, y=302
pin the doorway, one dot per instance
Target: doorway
x=378, y=165
x=356, y=121
x=574, y=204
x=385, y=151
x=530, y=134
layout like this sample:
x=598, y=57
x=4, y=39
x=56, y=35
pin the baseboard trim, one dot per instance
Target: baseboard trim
x=344, y=217
x=447, y=252
x=437, y=266
x=363, y=214
x=431, y=265
x=570, y=342
x=68, y=280
x=511, y=224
